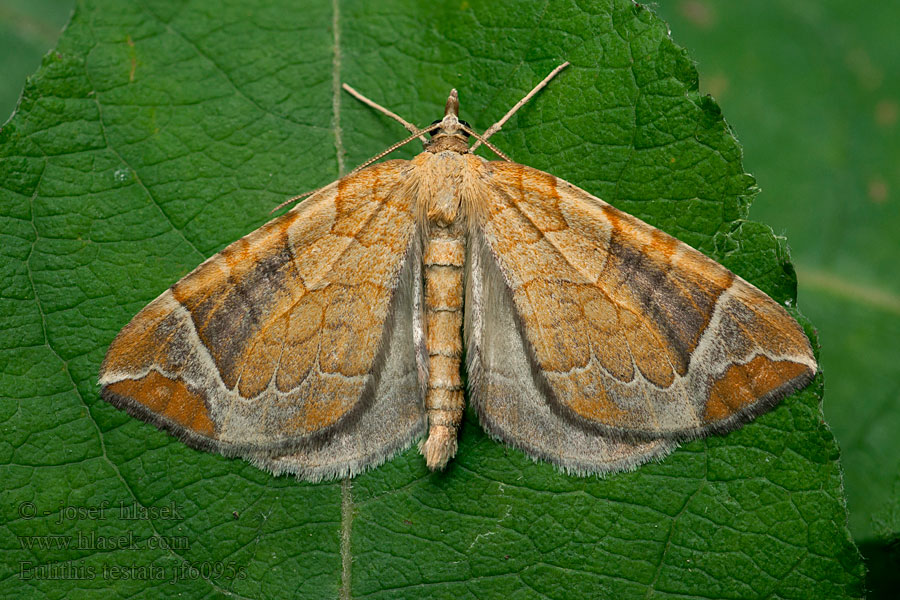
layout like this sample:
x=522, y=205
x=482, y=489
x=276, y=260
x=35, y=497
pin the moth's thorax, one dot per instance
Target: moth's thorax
x=448, y=143
x=448, y=183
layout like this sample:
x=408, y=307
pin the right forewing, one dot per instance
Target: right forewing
x=629, y=331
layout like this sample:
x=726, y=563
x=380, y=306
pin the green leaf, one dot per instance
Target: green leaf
x=157, y=133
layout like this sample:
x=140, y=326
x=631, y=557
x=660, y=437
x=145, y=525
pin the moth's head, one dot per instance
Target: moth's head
x=450, y=136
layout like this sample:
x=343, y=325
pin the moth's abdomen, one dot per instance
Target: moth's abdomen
x=444, y=402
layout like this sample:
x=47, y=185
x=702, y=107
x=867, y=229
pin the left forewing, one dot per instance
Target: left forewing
x=278, y=342
x=631, y=331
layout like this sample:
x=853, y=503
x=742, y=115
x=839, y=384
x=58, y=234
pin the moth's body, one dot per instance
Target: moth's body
x=447, y=180
x=331, y=337
x=444, y=259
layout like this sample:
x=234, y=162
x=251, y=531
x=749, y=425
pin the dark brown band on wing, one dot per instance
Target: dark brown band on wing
x=174, y=406
x=234, y=312
x=653, y=302
x=678, y=301
x=255, y=296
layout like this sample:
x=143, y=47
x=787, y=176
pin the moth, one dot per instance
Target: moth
x=333, y=336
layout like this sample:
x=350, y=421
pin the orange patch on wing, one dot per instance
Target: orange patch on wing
x=540, y=200
x=354, y=204
x=553, y=321
x=240, y=255
x=169, y=398
x=602, y=318
x=742, y=385
x=130, y=348
x=591, y=402
x=321, y=413
x=708, y=274
x=665, y=244
x=200, y=284
x=258, y=364
x=325, y=406
x=652, y=354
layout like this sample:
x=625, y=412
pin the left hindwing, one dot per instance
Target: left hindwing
x=630, y=331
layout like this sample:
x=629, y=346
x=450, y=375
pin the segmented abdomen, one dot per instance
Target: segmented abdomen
x=444, y=401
